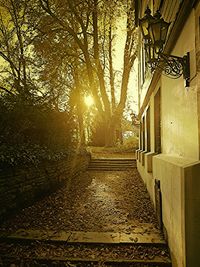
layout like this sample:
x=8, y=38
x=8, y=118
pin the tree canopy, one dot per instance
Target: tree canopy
x=59, y=51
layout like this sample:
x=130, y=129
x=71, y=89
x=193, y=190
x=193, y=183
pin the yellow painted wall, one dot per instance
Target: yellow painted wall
x=179, y=104
x=173, y=175
x=177, y=167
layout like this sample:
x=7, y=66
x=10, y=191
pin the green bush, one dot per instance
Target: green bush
x=130, y=144
x=31, y=131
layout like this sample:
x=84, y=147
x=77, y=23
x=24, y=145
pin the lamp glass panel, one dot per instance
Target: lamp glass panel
x=146, y=48
x=154, y=31
x=151, y=52
x=144, y=22
x=163, y=31
x=144, y=26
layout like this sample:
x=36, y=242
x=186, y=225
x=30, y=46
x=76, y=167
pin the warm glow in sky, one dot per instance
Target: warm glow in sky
x=118, y=64
x=89, y=101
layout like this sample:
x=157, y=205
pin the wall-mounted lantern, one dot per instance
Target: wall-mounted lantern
x=154, y=30
x=144, y=23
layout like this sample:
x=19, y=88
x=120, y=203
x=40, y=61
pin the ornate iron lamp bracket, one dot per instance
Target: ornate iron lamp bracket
x=154, y=30
x=174, y=66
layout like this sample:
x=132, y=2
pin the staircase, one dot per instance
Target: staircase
x=73, y=249
x=107, y=164
x=143, y=246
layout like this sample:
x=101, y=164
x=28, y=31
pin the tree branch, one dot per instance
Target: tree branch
x=6, y=90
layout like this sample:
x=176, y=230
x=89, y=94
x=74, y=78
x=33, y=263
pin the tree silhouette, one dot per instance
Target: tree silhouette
x=85, y=30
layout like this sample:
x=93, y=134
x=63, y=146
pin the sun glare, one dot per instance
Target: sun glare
x=89, y=101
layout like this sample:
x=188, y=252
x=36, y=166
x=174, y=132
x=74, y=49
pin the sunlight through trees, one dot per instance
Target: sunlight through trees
x=89, y=101
x=62, y=55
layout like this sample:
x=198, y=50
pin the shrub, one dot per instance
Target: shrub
x=31, y=130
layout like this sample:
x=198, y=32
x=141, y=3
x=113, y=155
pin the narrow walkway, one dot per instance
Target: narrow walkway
x=95, y=205
x=96, y=201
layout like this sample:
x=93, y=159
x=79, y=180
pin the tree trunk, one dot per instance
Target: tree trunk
x=81, y=126
x=110, y=134
x=99, y=68
x=112, y=87
x=113, y=131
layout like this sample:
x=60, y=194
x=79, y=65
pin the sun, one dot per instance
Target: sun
x=89, y=100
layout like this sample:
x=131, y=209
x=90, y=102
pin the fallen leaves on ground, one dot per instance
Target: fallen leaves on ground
x=95, y=201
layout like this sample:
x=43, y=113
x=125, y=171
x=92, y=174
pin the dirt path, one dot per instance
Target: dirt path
x=96, y=201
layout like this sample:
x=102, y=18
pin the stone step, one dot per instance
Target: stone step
x=139, y=236
x=121, y=161
x=111, y=164
x=110, y=169
x=144, y=246
x=87, y=262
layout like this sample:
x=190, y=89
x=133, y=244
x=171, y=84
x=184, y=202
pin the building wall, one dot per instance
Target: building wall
x=197, y=52
x=179, y=104
x=171, y=171
x=192, y=215
x=177, y=166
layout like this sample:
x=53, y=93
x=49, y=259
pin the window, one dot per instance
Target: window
x=143, y=133
x=157, y=121
x=140, y=135
x=148, y=130
x=142, y=64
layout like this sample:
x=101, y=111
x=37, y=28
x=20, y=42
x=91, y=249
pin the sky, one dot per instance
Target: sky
x=118, y=63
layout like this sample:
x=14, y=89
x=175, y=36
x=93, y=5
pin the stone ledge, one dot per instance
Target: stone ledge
x=149, y=160
x=138, y=237
x=143, y=157
x=175, y=160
